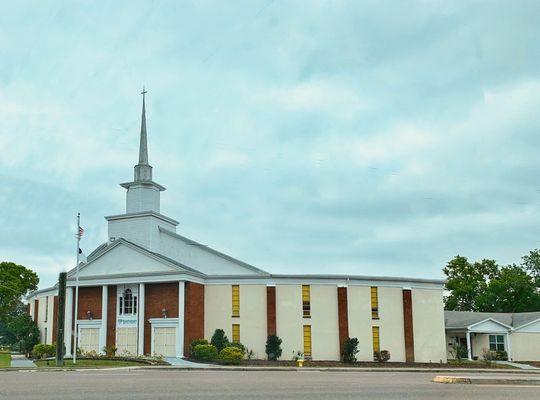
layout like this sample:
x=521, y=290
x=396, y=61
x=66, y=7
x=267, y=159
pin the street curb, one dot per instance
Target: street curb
x=485, y=381
x=332, y=369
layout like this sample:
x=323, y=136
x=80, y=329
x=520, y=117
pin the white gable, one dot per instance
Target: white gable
x=489, y=326
x=201, y=258
x=533, y=328
x=123, y=259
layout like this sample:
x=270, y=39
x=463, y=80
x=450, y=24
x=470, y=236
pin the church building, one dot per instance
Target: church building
x=149, y=290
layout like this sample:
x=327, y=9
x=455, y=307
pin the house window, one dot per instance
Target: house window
x=46, y=309
x=307, y=340
x=374, y=303
x=496, y=342
x=128, y=303
x=236, y=333
x=235, y=300
x=306, y=301
x=376, y=339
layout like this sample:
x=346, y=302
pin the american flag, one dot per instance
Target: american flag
x=81, y=231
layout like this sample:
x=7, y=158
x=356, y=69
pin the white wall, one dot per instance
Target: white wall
x=428, y=322
x=252, y=320
x=289, y=320
x=391, y=332
x=324, y=322
x=360, y=323
x=525, y=346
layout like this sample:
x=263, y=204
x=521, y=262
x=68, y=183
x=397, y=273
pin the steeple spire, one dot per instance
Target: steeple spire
x=143, y=171
x=143, y=148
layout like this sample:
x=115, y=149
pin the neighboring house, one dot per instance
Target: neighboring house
x=149, y=290
x=516, y=333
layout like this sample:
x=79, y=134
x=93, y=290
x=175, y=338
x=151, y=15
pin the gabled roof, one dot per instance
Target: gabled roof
x=464, y=319
x=212, y=251
x=108, y=246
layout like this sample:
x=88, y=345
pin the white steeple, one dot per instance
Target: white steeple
x=142, y=193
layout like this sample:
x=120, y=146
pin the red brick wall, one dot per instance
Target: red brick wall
x=55, y=319
x=89, y=300
x=270, y=310
x=343, y=318
x=36, y=308
x=111, y=315
x=157, y=297
x=408, y=325
x=193, y=314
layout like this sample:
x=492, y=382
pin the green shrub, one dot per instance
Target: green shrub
x=502, y=355
x=231, y=356
x=219, y=339
x=350, y=349
x=459, y=352
x=196, y=342
x=273, y=347
x=239, y=346
x=382, y=356
x=205, y=352
x=110, y=351
x=44, y=350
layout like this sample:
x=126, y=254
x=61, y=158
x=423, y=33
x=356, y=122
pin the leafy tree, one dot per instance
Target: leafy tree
x=531, y=263
x=511, y=290
x=15, y=282
x=21, y=331
x=466, y=282
x=219, y=340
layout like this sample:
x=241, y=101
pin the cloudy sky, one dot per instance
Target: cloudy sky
x=359, y=137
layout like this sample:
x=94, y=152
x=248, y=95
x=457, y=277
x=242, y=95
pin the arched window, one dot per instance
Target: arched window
x=128, y=303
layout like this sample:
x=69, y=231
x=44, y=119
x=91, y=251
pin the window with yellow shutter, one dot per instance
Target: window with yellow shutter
x=307, y=340
x=374, y=303
x=235, y=300
x=306, y=301
x=236, y=333
x=376, y=339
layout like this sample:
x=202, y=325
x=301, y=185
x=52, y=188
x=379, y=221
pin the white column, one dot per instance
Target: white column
x=103, y=331
x=181, y=314
x=140, y=311
x=469, y=350
x=508, y=347
x=68, y=321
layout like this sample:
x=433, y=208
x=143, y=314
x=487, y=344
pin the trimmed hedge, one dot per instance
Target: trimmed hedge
x=204, y=352
x=231, y=356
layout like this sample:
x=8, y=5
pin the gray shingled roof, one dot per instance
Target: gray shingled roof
x=463, y=319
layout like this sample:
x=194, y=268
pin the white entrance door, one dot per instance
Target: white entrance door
x=126, y=341
x=89, y=339
x=165, y=341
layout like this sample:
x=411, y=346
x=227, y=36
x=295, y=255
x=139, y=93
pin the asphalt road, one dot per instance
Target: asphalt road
x=223, y=385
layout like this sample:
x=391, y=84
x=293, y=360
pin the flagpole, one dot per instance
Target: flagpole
x=77, y=288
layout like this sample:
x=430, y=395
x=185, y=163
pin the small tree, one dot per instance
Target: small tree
x=350, y=349
x=459, y=352
x=219, y=340
x=273, y=347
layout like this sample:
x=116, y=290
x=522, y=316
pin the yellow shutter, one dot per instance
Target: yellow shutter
x=374, y=303
x=235, y=300
x=307, y=340
x=236, y=333
x=306, y=301
x=376, y=339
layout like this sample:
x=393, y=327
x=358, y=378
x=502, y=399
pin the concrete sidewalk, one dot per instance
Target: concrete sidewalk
x=20, y=361
x=513, y=379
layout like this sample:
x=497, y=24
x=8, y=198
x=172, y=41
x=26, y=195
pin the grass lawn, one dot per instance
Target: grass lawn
x=5, y=360
x=89, y=363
